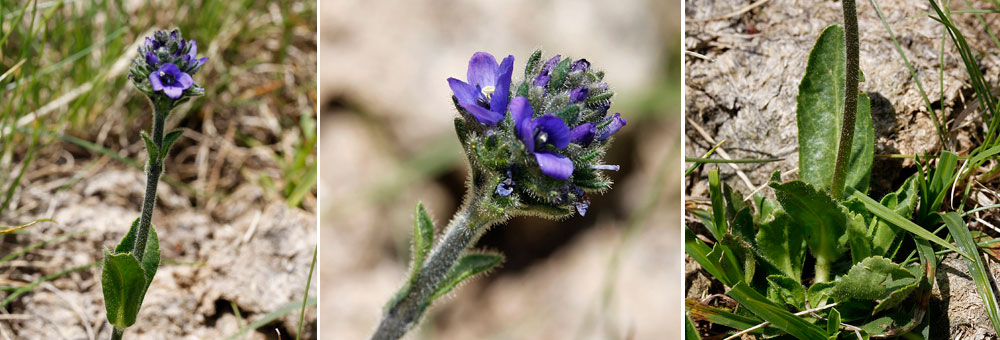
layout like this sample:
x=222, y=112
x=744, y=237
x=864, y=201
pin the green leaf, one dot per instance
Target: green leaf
x=699, y=251
x=780, y=244
x=718, y=204
x=151, y=149
x=833, y=322
x=886, y=237
x=778, y=316
x=875, y=279
x=979, y=273
x=423, y=238
x=786, y=290
x=168, y=141
x=123, y=281
x=824, y=218
x=892, y=217
x=857, y=237
x=937, y=189
x=467, y=266
x=819, y=112
x=743, y=253
x=150, y=259
x=820, y=293
x=690, y=332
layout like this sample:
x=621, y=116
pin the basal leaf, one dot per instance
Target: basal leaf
x=780, y=244
x=886, y=237
x=819, y=294
x=467, y=266
x=856, y=236
x=833, y=322
x=785, y=290
x=823, y=219
x=699, y=251
x=875, y=278
x=744, y=254
x=819, y=112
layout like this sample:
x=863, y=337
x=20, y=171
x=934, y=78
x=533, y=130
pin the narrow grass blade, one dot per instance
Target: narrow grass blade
x=963, y=238
x=7, y=229
x=735, y=161
x=288, y=308
x=36, y=245
x=777, y=316
x=719, y=316
x=30, y=287
x=718, y=204
x=305, y=296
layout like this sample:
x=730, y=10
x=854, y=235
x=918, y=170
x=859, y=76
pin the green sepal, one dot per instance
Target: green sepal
x=151, y=149
x=168, y=141
x=559, y=74
x=123, y=291
x=532, y=64
x=468, y=266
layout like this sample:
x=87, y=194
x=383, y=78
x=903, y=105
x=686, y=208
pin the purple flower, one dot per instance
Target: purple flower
x=610, y=126
x=151, y=59
x=542, y=137
x=580, y=65
x=192, y=59
x=487, y=93
x=170, y=80
x=543, y=77
x=506, y=186
x=578, y=95
x=583, y=134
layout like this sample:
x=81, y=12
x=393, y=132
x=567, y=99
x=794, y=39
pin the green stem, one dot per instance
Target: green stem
x=464, y=229
x=116, y=334
x=822, y=269
x=153, y=171
x=850, y=98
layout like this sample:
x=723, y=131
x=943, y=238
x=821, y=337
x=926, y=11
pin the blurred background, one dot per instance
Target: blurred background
x=388, y=142
x=237, y=202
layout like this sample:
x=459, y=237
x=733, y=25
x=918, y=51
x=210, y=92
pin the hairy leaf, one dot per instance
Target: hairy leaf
x=154, y=152
x=467, y=266
x=168, y=141
x=423, y=237
x=823, y=218
x=122, y=281
x=819, y=112
x=876, y=278
x=780, y=244
x=786, y=290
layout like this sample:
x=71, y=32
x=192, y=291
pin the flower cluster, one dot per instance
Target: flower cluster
x=539, y=145
x=165, y=65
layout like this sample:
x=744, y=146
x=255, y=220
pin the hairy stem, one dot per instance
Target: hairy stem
x=464, y=229
x=116, y=334
x=153, y=171
x=850, y=98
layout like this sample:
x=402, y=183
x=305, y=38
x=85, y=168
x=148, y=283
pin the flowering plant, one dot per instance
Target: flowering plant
x=533, y=149
x=163, y=71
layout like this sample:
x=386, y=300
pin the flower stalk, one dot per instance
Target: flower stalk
x=154, y=169
x=850, y=98
x=465, y=228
